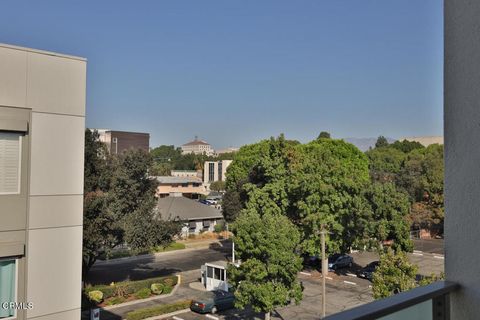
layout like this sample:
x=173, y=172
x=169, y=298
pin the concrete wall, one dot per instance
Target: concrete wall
x=462, y=154
x=53, y=88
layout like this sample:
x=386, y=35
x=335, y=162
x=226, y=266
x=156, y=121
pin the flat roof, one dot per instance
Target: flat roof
x=170, y=179
x=48, y=53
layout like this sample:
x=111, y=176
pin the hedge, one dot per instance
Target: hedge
x=130, y=287
x=144, y=313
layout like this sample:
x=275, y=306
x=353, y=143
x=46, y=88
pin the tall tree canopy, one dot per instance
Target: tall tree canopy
x=119, y=203
x=381, y=142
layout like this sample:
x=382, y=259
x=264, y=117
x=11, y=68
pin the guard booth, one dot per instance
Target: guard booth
x=214, y=275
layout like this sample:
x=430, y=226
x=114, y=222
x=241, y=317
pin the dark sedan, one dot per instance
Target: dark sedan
x=213, y=302
x=367, y=272
x=338, y=261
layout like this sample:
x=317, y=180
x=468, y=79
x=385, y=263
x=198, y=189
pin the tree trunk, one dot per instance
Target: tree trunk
x=267, y=315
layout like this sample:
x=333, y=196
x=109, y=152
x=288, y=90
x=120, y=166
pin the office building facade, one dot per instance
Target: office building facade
x=42, y=125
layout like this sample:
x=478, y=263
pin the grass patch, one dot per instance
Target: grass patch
x=122, y=253
x=173, y=246
x=157, y=310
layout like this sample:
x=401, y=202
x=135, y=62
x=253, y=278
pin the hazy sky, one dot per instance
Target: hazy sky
x=233, y=72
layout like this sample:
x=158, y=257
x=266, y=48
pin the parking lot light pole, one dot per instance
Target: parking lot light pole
x=324, y=272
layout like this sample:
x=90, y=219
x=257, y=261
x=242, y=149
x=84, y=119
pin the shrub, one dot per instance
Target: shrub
x=167, y=289
x=157, y=310
x=219, y=227
x=123, y=289
x=142, y=293
x=95, y=296
x=115, y=300
x=156, y=288
x=170, y=282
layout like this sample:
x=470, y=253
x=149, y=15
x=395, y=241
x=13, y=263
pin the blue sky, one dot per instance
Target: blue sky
x=233, y=72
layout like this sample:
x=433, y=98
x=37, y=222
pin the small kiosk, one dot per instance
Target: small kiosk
x=214, y=275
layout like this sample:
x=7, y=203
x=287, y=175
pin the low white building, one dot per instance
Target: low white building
x=198, y=217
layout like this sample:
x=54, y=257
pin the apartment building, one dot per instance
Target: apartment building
x=215, y=171
x=198, y=147
x=189, y=187
x=42, y=125
x=119, y=141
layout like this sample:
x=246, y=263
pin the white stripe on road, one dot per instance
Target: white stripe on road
x=351, y=274
x=349, y=282
x=439, y=257
x=417, y=254
x=212, y=317
x=176, y=318
x=305, y=273
x=417, y=251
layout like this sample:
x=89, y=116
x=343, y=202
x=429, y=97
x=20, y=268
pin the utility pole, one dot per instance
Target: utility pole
x=324, y=271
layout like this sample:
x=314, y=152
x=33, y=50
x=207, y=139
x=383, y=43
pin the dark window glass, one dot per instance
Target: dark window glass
x=210, y=272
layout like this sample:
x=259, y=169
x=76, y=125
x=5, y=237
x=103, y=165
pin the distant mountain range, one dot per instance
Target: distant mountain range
x=365, y=143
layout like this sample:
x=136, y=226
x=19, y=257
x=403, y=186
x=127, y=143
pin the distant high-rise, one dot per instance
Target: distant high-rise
x=119, y=141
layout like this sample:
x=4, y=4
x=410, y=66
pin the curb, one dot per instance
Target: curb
x=168, y=315
x=151, y=255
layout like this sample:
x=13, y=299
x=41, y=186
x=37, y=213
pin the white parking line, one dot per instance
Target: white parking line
x=176, y=318
x=417, y=251
x=212, y=317
x=305, y=273
x=349, y=282
x=417, y=254
x=351, y=274
x=439, y=257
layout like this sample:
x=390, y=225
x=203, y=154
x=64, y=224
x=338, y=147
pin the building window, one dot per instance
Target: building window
x=10, y=159
x=220, y=171
x=184, y=185
x=211, y=172
x=8, y=283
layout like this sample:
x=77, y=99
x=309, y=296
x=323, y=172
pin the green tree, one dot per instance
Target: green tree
x=406, y=146
x=385, y=164
x=394, y=274
x=267, y=277
x=324, y=135
x=133, y=203
x=100, y=230
x=389, y=222
x=218, y=186
x=325, y=185
x=381, y=142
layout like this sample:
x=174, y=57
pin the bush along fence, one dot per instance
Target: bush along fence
x=120, y=292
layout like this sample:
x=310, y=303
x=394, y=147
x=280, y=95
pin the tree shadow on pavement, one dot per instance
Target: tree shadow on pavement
x=130, y=270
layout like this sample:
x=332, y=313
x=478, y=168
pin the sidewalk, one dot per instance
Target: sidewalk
x=189, y=246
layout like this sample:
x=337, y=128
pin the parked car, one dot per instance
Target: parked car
x=213, y=302
x=367, y=272
x=335, y=261
x=338, y=261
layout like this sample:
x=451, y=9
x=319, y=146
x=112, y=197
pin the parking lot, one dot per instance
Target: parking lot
x=344, y=290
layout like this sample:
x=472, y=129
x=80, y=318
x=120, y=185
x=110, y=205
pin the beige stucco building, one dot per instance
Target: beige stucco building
x=189, y=187
x=42, y=124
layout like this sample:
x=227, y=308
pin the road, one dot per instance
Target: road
x=153, y=266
